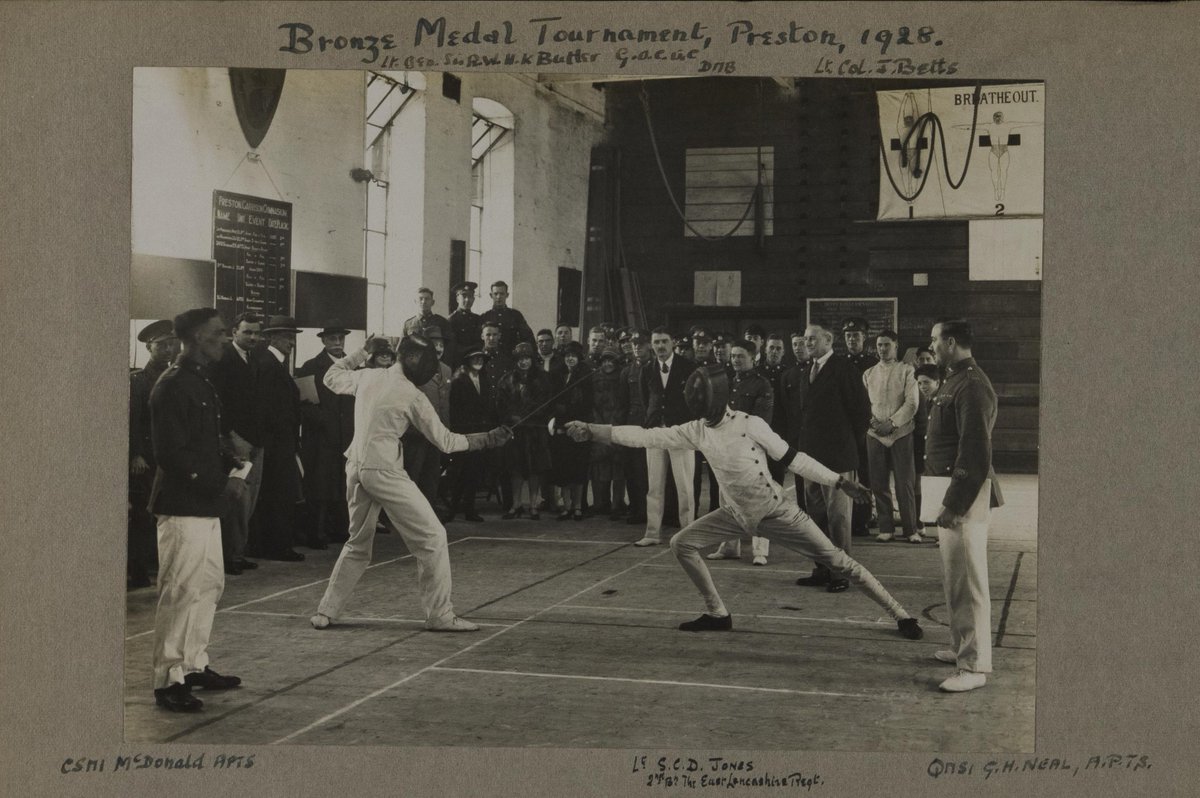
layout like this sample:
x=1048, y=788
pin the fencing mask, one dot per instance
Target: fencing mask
x=418, y=358
x=706, y=393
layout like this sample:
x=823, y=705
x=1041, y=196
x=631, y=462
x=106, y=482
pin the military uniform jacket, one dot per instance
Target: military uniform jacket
x=466, y=329
x=774, y=375
x=862, y=361
x=513, y=329
x=414, y=325
x=630, y=400
x=789, y=403
x=141, y=382
x=185, y=414
x=835, y=413
x=750, y=392
x=958, y=443
x=494, y=368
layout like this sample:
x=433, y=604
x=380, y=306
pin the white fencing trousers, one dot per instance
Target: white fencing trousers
x=965, y=578
x=191, y=578
x=790, y=528
x=683, y=467
x=367, y=492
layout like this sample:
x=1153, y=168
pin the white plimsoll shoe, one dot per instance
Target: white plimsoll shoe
x=963, y=681
x=647, y=541
x=320, y=621
x=947, y=656
x=760, y=560
x=724, y=552
x=451, y=624
x=884, y=537
x=915, y=537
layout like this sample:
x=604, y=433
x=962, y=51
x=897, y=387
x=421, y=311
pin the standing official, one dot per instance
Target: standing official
x=959, y=480
x=163, y=346
x=662, y=385
x=194, y=482
x=465, y=325
x=326, y=430
x=513, y=328
x=834, y=414
x=892, y=389
x=281, y=487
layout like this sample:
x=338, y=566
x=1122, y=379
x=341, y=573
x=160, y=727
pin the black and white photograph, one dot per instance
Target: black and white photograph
x=710, y=397
x=527, y=398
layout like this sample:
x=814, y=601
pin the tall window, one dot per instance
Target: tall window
x=491, y=195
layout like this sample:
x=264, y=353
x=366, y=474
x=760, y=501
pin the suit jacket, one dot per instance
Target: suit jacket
x=665, y=406
x=789, y=404
x=470, y=410
x=327, y=429
x=280, y=403
x=237, y=385
x=835, y=414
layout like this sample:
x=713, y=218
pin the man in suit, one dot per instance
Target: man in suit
x=426, y=318
x=513, y=328
x=281, y=489
x=834, y=414
x=662, y=385
x=163, y=346
x=327, y=429
x=958, y=470
x=470, y=412
x=235, y=376
x=465, y=324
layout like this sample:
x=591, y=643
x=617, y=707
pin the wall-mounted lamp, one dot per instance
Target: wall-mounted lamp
x=361, y=175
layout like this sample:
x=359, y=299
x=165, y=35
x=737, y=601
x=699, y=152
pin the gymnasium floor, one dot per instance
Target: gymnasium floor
x=578, y=648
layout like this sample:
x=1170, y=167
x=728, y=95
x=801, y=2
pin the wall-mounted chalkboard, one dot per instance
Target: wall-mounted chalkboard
x=252, y=246
x=880, y=312
x=161, y=287
x=325, y=298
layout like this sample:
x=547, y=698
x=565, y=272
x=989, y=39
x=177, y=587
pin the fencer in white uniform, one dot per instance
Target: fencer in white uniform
x=387, y=403
x=736, y=446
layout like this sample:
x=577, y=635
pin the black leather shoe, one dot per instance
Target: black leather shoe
x=837, y=585
x=208, y=679
x=177, y=698
x=474, y=517
x=233, y=568
x=910, y=628
x=815, y=579
x=708, y=623
x=284, y=555
x=247, y=565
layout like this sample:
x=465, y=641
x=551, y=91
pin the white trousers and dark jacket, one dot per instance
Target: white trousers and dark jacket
x=737, y=449
x=191, y=578
x=965, y=580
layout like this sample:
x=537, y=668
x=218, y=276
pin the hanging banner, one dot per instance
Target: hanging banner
x=939, y=159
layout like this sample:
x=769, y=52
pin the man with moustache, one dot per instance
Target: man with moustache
x=512, y=325
x=281, y=486
x=834, y=414
x=236, y=377
x=163, y=346
x=465, y=325
x=327, y=428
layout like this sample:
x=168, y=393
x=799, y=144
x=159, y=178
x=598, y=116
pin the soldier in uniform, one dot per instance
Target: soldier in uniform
x=773, y=368
x=633, y=407
x=163, y=346
x=513, y=328
x=751, y=393
x=498, y=363
x=702, y=353
x=758, y=336
x=961, y=489
x=427, y=318
x=702, y=346
x=789, y=401
x=326, y=431
x=854, y=331
x=465, y=325
x=720, y=350
x=597, y=342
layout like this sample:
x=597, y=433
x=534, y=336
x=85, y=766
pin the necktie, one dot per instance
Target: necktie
x=812, y=375
x=665, y=370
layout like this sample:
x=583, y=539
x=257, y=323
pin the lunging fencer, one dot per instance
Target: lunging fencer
x=387, y=403
x=737, y=446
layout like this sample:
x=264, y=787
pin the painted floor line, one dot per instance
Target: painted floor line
x=374, y=694
x=344, y=620
x=549, y=540
x=735, y=615
x=651, y=681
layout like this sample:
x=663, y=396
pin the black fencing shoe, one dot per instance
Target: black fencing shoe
x=837, y=585
x=910, y=628
x=815, y=579
x=177, y=698
x=708, y=623
x=208, y=679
